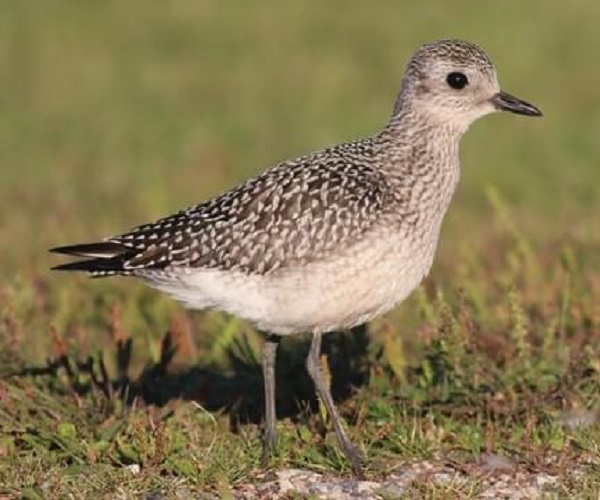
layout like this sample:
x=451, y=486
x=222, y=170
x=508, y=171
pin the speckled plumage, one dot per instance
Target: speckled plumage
x=274, y=250
x=329, y=240
x=295, y=213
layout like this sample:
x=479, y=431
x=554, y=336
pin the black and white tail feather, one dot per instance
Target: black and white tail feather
x=105, y=258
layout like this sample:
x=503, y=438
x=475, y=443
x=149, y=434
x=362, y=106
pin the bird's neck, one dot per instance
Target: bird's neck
x=414, y=139
x=421, y=163
x=427, y=118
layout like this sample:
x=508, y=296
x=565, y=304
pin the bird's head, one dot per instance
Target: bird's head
x=455, y=82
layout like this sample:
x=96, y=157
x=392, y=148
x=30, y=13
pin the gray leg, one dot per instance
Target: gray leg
x=269, y=355
x=313, y=365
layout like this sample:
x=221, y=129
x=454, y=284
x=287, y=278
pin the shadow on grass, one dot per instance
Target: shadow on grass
x=237, y=392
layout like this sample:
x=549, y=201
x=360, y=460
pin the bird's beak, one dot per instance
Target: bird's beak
x=503, y=101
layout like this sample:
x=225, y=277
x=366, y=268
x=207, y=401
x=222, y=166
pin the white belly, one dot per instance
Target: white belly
x=363, y=282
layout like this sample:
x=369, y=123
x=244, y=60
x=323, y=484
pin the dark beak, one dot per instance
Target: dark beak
x=506, y=102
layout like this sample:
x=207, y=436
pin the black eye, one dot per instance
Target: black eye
x=457, y=80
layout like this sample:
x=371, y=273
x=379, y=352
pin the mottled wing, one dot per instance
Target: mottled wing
x=294, y=213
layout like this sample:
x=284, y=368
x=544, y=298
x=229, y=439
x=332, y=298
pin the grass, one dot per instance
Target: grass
x=117, y=113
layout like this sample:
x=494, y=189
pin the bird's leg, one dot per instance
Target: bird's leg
x=313, y=365
x=269, y=355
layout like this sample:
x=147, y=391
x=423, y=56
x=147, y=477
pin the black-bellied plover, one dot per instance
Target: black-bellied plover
x=327, y=241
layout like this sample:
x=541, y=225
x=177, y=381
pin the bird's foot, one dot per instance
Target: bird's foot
x=354, y=457
x=269, y=443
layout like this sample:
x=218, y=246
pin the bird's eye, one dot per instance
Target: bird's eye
x=457, y=80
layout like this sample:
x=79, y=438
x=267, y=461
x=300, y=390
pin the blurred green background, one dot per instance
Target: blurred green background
x=115, y=113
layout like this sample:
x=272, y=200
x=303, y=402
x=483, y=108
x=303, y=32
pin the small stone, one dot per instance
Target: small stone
x=134, y=469
x=578, y=419
x=492, y=462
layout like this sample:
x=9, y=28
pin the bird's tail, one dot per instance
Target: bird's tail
x=105, y=258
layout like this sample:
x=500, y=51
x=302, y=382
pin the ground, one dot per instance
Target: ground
x=117, y=113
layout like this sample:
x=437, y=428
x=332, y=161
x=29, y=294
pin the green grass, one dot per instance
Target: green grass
x=115, y=113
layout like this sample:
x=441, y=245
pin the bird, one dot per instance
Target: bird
x=326, y=241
